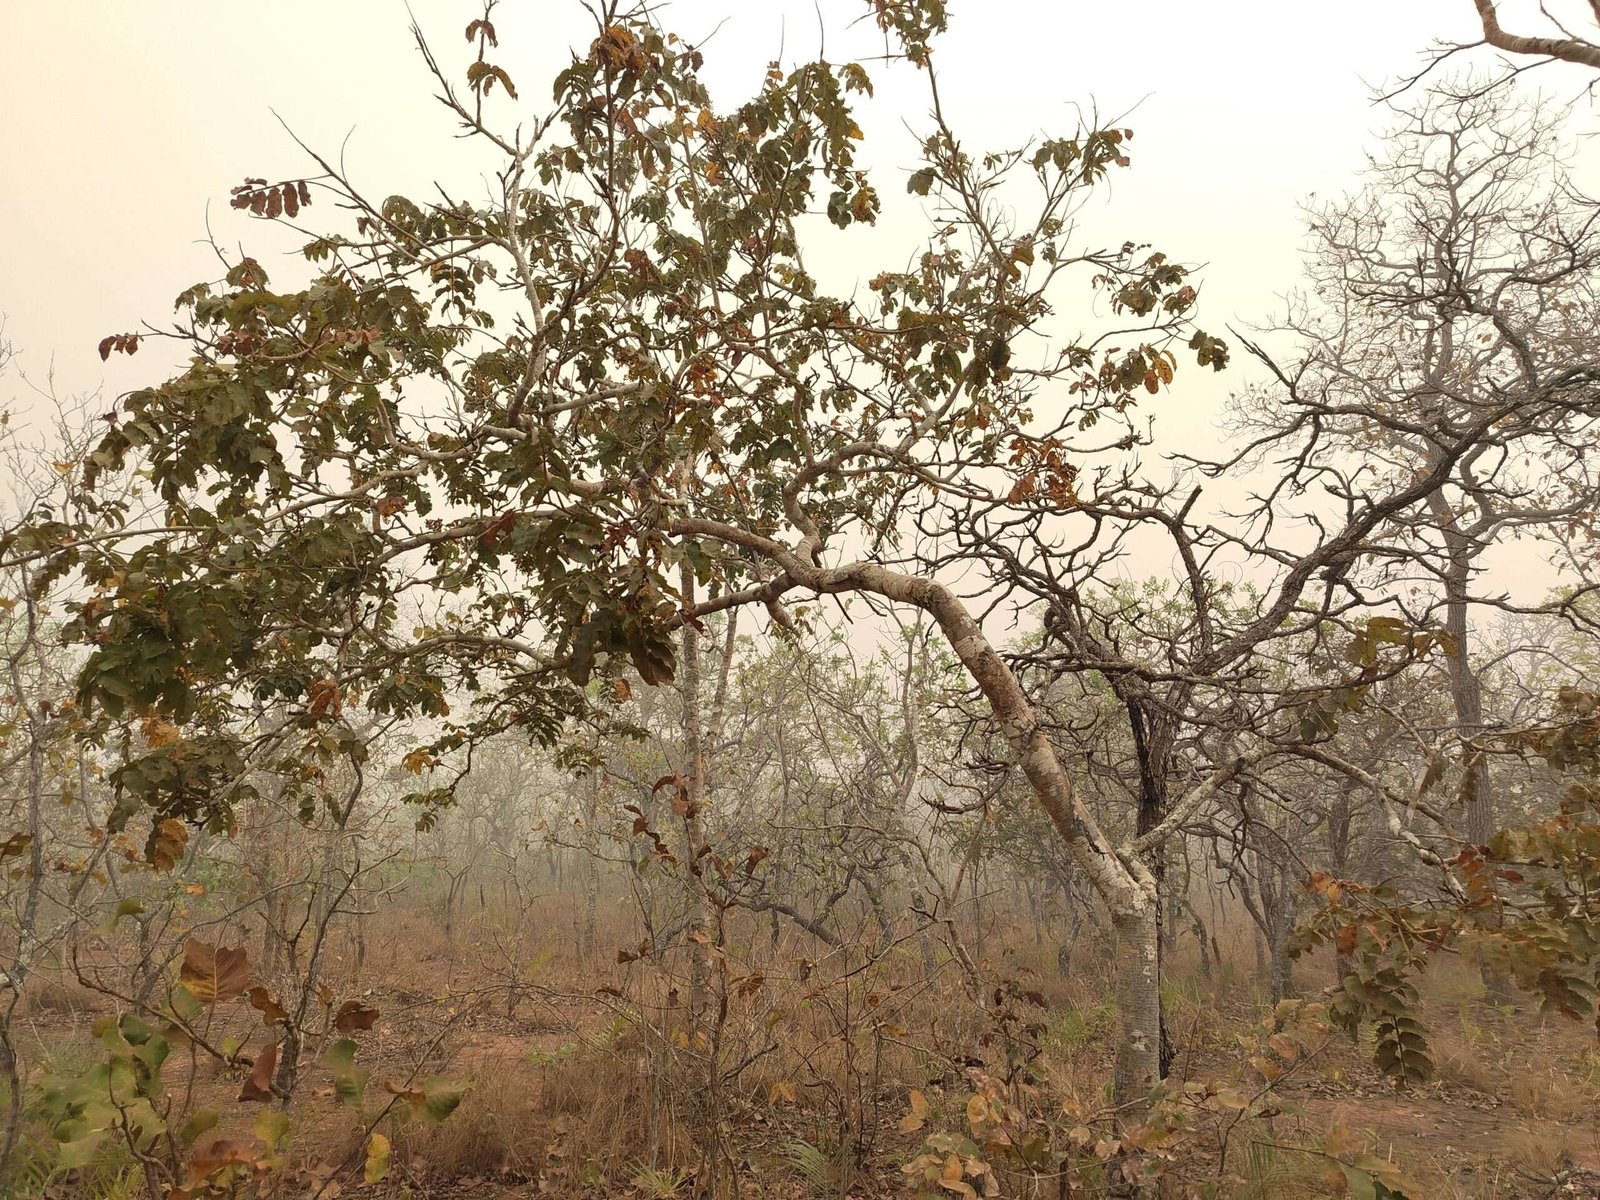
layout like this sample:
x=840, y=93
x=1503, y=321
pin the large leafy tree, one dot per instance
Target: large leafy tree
x=499, y=449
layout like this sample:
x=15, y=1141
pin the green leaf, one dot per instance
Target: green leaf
x=1364, y=1185
x=199, y=1122
x=270, y=1126
x=443, y=1097
x=127, y=908
x=79, y=1153
x=349, y=1081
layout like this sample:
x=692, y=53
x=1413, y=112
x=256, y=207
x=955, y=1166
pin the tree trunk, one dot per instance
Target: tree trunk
x=591, y=875
x=1153, y=741
x=1339, y=818
x=1466, y=694
x=1282, y=972
x=1138, y=1002
x=693, y=791
x=1124, y=882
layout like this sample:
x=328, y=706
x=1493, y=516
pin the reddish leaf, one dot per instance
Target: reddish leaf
x=354, y=1015
x=222, y=1152
x=258, y=1086
x=166, y=844
x=271, y=1011
x=324, y=697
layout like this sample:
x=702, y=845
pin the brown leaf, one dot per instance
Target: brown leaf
x=158, y=732
x=271, y=1011
x=354, y=1015
x=222, y=1152
x=505, y=81
x=325, y=699
x=291, y=199
x=166, y=844
x=1347, y=940
x=258, y=1086
x=410, y=1095
x=214, y=974
x=1024, y=487
x=918, y=1114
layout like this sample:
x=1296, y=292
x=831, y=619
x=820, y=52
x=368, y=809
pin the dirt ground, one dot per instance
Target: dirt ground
x=558, y=1089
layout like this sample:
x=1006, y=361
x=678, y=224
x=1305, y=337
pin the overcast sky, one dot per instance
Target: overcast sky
x=126, y=124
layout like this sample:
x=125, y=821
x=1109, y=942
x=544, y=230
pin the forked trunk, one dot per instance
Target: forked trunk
x=1124, y=883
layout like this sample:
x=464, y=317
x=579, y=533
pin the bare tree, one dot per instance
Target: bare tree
x=1458, y=291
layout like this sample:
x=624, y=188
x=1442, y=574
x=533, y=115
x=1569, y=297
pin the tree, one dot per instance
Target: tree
x=1462, y=282
x=1557, y=40
x=600, y=408
x=1436, y=401
x=54, y=852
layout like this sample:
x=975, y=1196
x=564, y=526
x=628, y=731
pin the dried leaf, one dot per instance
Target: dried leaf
x=354, y=1015
x=271, y=1011
x=166, y=845
x=214, y=974
x=918, y=1114
x=258, y=1087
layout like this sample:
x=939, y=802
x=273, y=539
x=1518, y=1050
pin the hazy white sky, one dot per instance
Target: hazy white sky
x=125, y=125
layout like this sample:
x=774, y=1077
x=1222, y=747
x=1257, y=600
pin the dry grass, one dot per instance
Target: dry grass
x=500, y=1129
x=617, y=1105
x=1538, y=1149
x=57, y=995
x=567, y=1092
